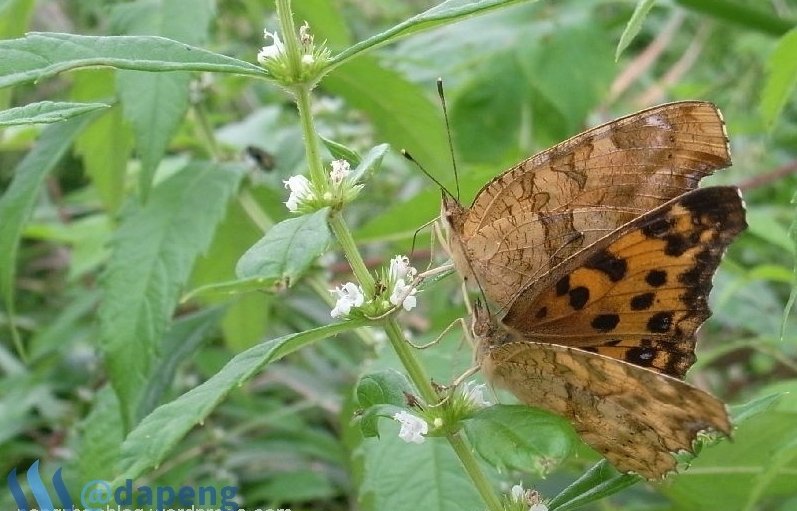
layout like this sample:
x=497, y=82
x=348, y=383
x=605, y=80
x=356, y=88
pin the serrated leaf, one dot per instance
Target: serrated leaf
x=287, y=250
x=370, y=163
x=520, y=437
x=180, y=342
x=445, y=12
x=634, y=25
x=46, y=112
x=152, y=440
x=781, y=78
x=40, y=55
x=155, y=103
x=153, y=251
x=106, y=143
x=17, y=202
x=341, y=152
x=100, y=436
x=600, y=481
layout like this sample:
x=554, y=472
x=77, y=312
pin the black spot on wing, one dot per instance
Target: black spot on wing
x=656, y=278
x=605, y=322
x=563, y=286
x=604, y=261
x=579, y=297
x=642, y=301
x=660, y=322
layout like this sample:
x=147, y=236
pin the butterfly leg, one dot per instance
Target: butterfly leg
x=457, y=322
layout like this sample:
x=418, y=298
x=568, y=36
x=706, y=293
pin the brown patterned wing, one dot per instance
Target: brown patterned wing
x=574, y=193
x=639, y=294
x=634, y=417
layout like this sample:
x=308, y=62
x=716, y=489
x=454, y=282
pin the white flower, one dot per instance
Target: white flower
x=349, y=295
x=308, y=60
x=539, y=507
x=305, y=37
x=402, y=289
x=340, y=171
x=300, y=191
x=518, y=493
x=271, y=51
x=412, y=428
x=475, y=394
x=400, y=268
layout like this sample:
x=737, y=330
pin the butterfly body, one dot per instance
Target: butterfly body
x=600, y=253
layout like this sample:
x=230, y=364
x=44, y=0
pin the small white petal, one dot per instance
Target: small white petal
x=399, y=267
x=348, y=296
x=412, y=428
x=538, y=507
x=475, y=394
x=402, y=289
x=308, y=60
x=271, y=51
x=340, y=171
x=300, y=191
x=517, y=492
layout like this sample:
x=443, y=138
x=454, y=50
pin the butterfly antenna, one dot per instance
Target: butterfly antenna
x=408, y=156
x=442, y=95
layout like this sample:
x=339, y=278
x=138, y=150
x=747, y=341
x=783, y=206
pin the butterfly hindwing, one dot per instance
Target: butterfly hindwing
x=641, y=293
x=632, y=416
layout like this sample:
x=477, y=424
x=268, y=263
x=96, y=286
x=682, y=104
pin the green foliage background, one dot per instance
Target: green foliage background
x=128, y=201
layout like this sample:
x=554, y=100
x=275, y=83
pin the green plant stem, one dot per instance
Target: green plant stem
x=410, y=362
x=343, y=235
x=337, y=224
x=206, y=132
x=312, y=149
x=481, y=482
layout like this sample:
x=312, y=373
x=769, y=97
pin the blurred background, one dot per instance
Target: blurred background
x=517, y=80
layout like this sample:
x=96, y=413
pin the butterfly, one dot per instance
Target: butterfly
x=601, y=251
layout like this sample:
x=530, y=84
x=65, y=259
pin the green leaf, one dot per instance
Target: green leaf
x=184, y=337
x=106, y=143
x=634, y=25
x=287, y=250
x=230, y=288
x=446, y=12
x=153, y=251
x=733, y=472
x=781, y=78
x=398, y=476
x=100, y=437
x=369, y=419
x=793, y=292
x=383, y=387
x=400, y=111
x=45, y=112
x=741, y=14
x=17, y=202
x=150, y=442
x=597, y=483
x=741, y=413
x=155, y=103
x=341, y=152
x=520, y=437
x=369, y=164
x=41, y=55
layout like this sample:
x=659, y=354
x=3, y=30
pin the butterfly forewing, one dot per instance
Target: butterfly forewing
x=639, y=294
x=581, y=189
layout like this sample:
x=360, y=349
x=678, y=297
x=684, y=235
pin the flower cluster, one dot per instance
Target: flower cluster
x=521, y=497
x=340, y=188
x=397, y=281
x=312, y=59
